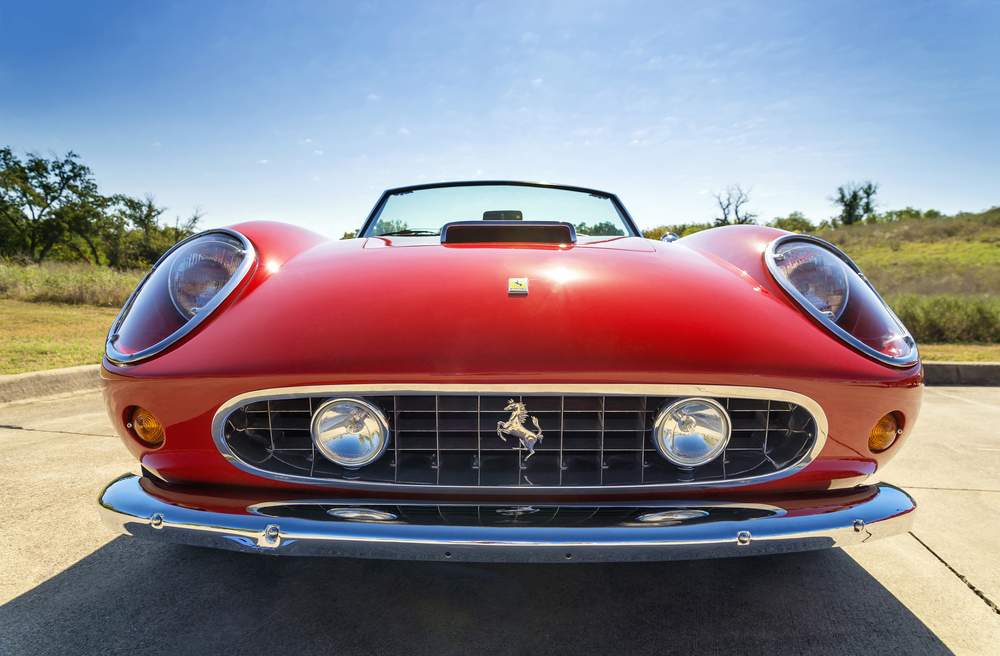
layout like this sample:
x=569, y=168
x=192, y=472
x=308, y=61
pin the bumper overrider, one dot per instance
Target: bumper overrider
x=574, y=532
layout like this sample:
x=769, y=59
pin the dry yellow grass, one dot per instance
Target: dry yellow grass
x=960, y=352
x=36, y=336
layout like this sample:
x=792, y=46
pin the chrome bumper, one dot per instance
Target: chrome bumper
x=497, y=533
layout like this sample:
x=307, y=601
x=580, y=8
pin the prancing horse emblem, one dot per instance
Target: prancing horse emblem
x=516, y=426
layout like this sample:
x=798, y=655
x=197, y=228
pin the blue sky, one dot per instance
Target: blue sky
x=304, y=112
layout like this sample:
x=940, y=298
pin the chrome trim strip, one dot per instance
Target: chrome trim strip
x=126, y=508
x=825, y=321
x=279, y=393
x=249, y=262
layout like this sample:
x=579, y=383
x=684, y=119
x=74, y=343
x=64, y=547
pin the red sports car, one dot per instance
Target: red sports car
x=504, y=371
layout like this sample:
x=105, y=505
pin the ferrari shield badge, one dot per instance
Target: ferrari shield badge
x=517, y=286
x=515, y=426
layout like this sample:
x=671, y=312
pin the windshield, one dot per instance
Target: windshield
x=422, y=212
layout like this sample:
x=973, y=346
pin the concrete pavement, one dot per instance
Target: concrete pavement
x=71, y=586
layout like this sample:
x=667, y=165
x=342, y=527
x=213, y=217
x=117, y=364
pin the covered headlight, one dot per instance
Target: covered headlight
x=692, y=432
x=830, y=287
x=201, y=269
x=182, y=288
x=350, y=432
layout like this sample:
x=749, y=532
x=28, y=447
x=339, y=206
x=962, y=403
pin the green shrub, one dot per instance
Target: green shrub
x=949, y=319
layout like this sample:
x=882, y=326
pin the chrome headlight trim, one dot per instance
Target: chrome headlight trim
x=827, y=322
x=248, y=264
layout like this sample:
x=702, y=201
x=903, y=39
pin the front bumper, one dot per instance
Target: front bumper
x=668, y=530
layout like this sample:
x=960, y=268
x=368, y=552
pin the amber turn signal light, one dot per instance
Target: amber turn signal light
x=883, y=433
x=146, y=427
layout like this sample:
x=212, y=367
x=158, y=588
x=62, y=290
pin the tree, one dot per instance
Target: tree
x=680, y=229
x=794, y=222
x=43, y=201
x=603, y=229
x=733, y=202
x=856, y=202
x=133, y=236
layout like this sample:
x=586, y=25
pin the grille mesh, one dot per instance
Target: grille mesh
x=452, y=440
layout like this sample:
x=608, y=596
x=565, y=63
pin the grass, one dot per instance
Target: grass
x=950, y=255
x=76, y=284
x=960, y=352
x=36, y=336
x=941, y=276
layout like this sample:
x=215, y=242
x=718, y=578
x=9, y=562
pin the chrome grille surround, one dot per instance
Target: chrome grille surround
x=431, y=454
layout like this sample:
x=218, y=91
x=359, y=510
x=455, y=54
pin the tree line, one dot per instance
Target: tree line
x=855, y=201
x=52, y=209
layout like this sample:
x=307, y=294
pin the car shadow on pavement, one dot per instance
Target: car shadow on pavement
x=132, y=596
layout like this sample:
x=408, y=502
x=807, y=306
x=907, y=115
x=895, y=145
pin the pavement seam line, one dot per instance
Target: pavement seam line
x=949, y=489
x=959, y=398
x=42, y=430
x=964, y=580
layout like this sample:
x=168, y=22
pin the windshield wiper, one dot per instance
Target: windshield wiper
x=410, y=233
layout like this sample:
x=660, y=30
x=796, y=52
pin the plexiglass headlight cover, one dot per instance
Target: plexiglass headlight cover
x=831, y=288
x=183, y=288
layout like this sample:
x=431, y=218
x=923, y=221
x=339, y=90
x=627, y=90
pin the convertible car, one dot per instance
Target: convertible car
x=505, y=371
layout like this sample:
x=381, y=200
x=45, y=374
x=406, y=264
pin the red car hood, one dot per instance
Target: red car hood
x=618, y=310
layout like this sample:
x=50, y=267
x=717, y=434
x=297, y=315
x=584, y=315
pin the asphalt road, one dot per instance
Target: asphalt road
x=69, y=585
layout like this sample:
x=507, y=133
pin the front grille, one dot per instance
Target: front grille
x=452, y=440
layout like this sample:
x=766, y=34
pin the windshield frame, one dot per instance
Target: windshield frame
x=369, y=223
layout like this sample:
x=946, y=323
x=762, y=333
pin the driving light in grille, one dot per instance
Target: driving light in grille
x=883, y=433
x=830, y=287
x=692, y=432
x=350, y=432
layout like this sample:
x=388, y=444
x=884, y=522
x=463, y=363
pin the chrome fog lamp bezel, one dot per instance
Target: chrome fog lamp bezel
x=708, y=457
x=333, y=457
x=830, y=322
x=249, y=263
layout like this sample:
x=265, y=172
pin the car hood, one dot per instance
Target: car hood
x=622, y=309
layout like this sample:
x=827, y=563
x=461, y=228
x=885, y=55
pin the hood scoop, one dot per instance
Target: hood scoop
x=505, y=232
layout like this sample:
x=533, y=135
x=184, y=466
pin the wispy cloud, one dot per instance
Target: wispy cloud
x=536, y=83
x=317, y=152
x=263, y=161
x=157, y=143
x=305, y=141
x=372, y=96
x=404, y=131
